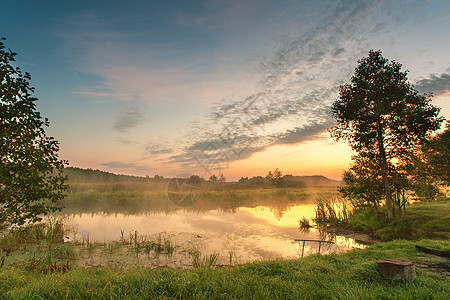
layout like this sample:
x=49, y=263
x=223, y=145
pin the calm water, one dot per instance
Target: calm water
x=261, y=232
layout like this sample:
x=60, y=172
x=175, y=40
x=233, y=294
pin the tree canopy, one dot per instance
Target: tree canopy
x=383, y=118
x=31, y=180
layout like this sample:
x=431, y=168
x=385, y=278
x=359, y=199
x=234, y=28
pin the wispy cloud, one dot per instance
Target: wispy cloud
x=436, y=84
x=308, y=49
x=292, y=104
x=129, y=118
x=132, y=68
x=158, y=149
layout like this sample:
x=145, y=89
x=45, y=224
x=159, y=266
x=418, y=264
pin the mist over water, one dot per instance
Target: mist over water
x=252, y=231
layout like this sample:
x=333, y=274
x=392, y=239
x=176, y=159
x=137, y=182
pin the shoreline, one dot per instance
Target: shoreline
x=360, y=237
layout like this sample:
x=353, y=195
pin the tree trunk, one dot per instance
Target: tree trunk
x=384, y=173
x=404, y=202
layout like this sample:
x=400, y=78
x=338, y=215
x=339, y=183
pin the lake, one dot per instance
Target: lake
x=247, y=232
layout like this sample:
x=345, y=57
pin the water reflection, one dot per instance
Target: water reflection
x=250, y=232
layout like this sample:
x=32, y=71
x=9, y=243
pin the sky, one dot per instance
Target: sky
x=236, y=87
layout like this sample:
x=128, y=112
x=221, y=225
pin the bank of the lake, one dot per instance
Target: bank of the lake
x=350, y=275
x=420, y=220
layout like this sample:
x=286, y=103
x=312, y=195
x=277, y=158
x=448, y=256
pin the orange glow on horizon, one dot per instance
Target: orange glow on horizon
x=315, y=157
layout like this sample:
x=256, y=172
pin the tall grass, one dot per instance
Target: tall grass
x=332, y=212
x=48, y=237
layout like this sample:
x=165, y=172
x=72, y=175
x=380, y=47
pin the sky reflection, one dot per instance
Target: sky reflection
x=251, y=233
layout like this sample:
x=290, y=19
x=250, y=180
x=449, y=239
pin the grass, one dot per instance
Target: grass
x=351, y=275
x=204, y=261
x=422, y=220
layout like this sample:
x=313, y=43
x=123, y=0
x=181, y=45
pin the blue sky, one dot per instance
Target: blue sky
x=239, y=87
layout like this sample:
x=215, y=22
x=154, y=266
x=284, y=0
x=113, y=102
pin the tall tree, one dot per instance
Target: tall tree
x=382, y=116
x=31, y=180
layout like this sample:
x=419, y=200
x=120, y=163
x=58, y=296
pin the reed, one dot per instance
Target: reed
x=332, y=212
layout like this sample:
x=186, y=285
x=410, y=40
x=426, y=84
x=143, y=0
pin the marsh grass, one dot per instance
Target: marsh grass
x=49, y=254
x=203, y=261
x=162, y=245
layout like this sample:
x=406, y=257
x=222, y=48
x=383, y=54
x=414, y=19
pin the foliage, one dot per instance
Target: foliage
x=429, y=168
x=362, y=184
x=304, y=224
x=383, y=118
x=437, y=153
x=214, y=179
x=31, y=179
x=79, y=175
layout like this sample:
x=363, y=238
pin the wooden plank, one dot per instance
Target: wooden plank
x=433, y=251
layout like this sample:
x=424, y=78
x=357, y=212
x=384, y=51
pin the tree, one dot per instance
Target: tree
x=31, y=180
x=222, y=178
x=362, y=184
x=276, y=178
x=382, y=116
x=213, y=178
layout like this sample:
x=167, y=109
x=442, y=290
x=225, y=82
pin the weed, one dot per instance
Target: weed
x=169, y=247
x=122, y=239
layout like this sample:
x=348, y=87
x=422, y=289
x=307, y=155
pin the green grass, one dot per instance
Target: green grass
x=422, y=220
x=352, y=275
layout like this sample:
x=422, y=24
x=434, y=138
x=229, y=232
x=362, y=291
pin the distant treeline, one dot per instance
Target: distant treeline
x=291, y=181
x=79, y=175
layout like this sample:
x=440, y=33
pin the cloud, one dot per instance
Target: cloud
x=131, y=67
x=129, y=118
x=158, y=149
x=293, y=98
x=436, y=84
x=307, y=50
